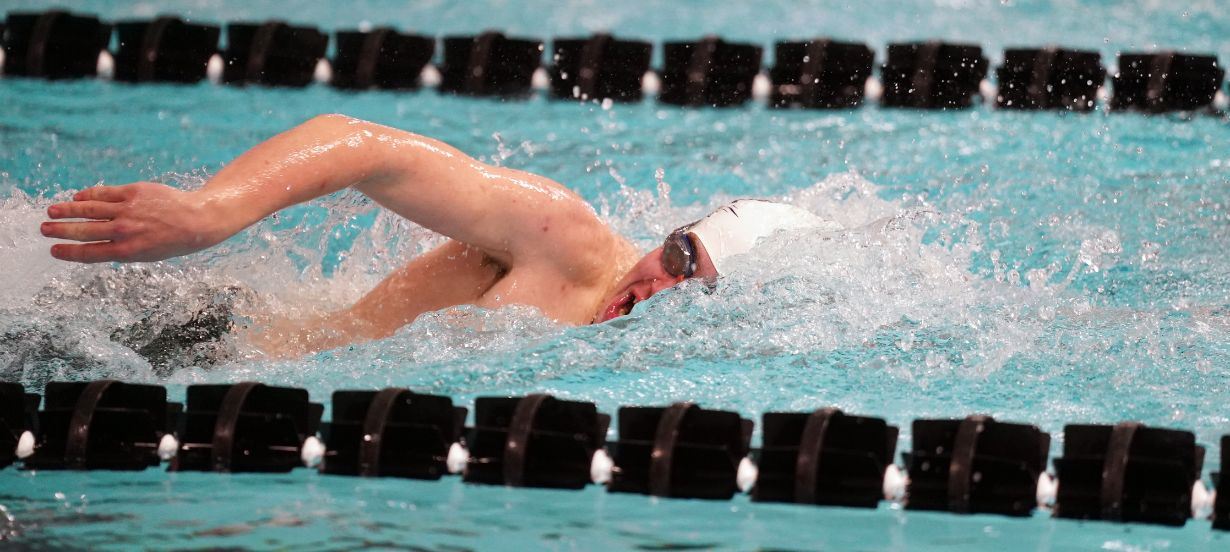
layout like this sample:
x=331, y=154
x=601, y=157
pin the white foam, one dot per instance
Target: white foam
x=29, y=263
x=840, y=288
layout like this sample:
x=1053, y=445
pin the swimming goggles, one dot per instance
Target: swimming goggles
x=679, y=253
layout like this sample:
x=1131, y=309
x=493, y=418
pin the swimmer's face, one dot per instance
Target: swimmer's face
x=651, y=275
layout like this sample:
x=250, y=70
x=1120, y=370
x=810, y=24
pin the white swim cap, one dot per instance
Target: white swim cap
x=736, y=227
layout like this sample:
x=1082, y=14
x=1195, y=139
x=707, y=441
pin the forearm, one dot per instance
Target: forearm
x=319, y=157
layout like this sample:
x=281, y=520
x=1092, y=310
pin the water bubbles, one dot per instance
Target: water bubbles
x=503, y=152
x=664, y=188
x=906, y=343
x=1149, y=253
x=1100, y=251
x=9, y=528
x=946, y=298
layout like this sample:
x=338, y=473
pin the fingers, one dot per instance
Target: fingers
x=82, y=231
x=86, y=209
x=88, y=253
x=113, y=194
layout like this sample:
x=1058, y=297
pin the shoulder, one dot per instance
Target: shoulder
x=568, y=237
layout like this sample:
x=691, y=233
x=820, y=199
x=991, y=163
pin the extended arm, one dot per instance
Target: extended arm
x=511, y=215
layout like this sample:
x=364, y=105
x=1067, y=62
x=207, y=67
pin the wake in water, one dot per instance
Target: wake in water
x=901, y=274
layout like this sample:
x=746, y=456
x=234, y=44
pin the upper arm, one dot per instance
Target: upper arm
x=514, y=216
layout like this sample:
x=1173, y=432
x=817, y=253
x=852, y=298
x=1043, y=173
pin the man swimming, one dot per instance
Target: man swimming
x=515, y=237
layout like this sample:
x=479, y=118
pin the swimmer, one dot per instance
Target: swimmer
x=515, y=237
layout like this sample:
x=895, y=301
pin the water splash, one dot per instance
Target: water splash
x=910, y=308
x=797, y=295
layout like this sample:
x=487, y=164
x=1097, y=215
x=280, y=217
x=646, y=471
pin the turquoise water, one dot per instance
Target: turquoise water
x=1047, y=268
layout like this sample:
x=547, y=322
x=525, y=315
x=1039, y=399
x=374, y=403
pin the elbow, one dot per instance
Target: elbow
x=334, y=128
x=330, y=120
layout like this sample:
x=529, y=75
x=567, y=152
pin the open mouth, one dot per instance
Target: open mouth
x=619, y=307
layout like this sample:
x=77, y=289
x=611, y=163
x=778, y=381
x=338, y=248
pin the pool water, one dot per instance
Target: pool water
x=1039, y=267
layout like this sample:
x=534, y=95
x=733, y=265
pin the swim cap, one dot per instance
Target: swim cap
x=736, y=227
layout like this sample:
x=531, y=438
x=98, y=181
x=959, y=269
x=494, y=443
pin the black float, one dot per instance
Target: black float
x=599, y=67
x=391, y=432
x=681, y=451
x=164, y=50
x=1166, y=81
x=489, y=64
x=825, y=457
x=820, y=73
x=1127, y=473
x=55, y=44
x=1049, y=78
x=380, y=58
x=534, y=441
x=709, y=72
x=932, y=75
x=975, y=465
x=244, y=427
x=18, y=413
x=102, y=424
x=272, y=53
x=1221, y=505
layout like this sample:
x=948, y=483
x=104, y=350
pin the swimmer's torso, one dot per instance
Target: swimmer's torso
x=454, y=274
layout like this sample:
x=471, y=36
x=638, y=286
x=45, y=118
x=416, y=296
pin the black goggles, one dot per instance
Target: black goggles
x=679, y=253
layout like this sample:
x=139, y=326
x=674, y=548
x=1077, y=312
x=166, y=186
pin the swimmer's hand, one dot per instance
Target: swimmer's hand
x=144, y=221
